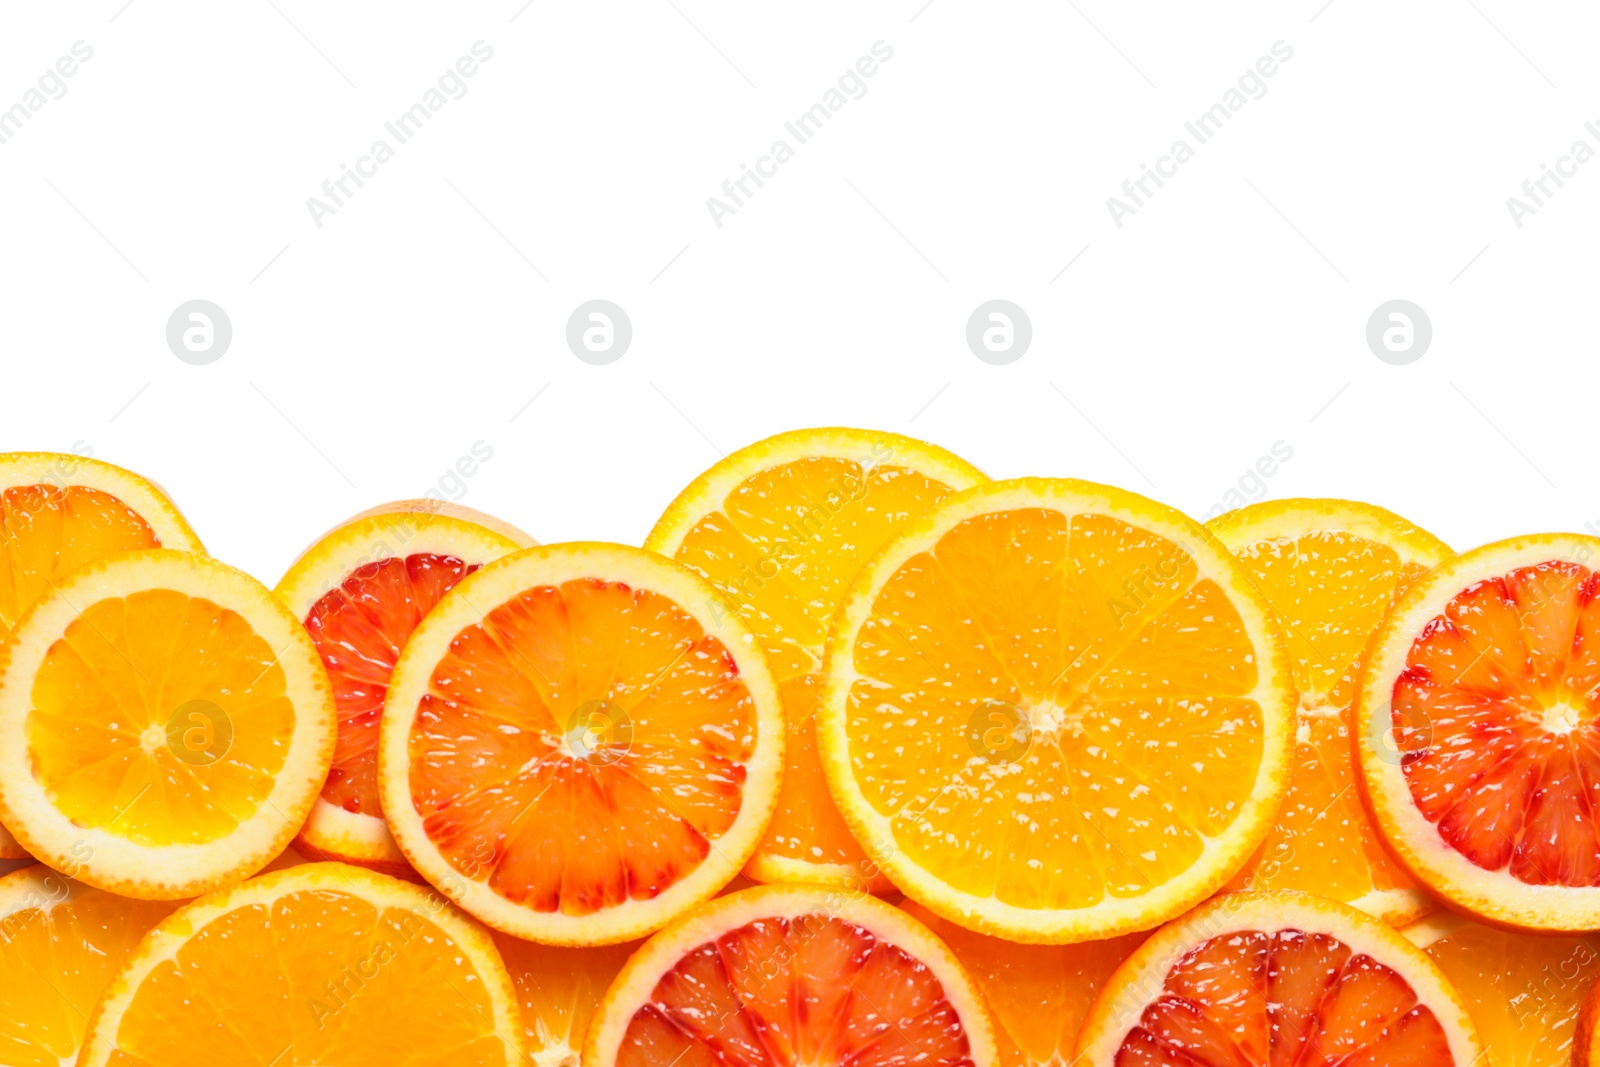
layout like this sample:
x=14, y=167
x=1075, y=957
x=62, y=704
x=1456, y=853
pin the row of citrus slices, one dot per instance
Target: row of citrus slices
x=1053, y=714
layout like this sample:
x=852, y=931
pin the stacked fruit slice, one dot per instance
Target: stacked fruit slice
x=1329, y=569
x=1056, y=716
x=780, y=528
x=59, y=512
x=1061, y=709
x=580, y=743
x=360, y=590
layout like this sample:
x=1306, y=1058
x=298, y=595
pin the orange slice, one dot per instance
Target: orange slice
x=1329, y=569
x=360, y=590
x=60, y=944
x=165, y=725
x=58, y=512
x=779, y=528
x=1523, y=991
x=1278, y=978
x=1060, y=709
x=580, y=743
x=320, y=963
x=1479, y=745
x=1038, y=995
x=782, y=975
x=558, y=991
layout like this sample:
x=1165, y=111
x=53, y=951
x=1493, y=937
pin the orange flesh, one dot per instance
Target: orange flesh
x=813, y=991
x=317, y=977
x=359, y=630
x=781, y=549
x=47, y=531
x=102, y=731
x=56, y=956
x=1495, y=719
x=558, y=991
x=1284, y=999
x=1132, y=673
x=1039, y=994
x=1331, y=590
x=585, y=745
x=1523, y=991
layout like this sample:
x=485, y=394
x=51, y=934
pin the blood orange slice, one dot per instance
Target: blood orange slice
x=580, y=743
x=1329, y=569
x=1478, y=732
x=1278, y=978
x=59, y=512
x=783, y=975
x=360, y=590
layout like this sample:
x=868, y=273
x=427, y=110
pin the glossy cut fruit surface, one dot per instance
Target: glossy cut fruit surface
x=780, y=528
x=165, y=725
x=360, y=590
x=1059, y=711
x=1278, y=979
x=1479, y=742
x=1329, y=569
x=579, y=743
x=59, y=512
x=779, y=976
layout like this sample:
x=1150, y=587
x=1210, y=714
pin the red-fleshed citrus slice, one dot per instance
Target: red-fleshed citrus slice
x=61, y=942
x=165, y=725
x=1478, y=732
x=59, y=512
x=787, y=975
x=1278, y=979
x=580, y=743
x=1524, y=991
x=1038, y=995
x=779, y=528
x=1059, y=711
x=322, y=963
x=1329, y=569
x=360, y=590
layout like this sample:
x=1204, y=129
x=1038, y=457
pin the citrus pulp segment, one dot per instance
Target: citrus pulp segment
x=782, y=975
x=321, y=963
x=1059, y=711
x=360, y=590
x=165, y=725
x=1523, y=991
x=1038, y=995
x=61, y=942
x=779, y=528
x=558, y=991
x=1278, y=978
x=60, y=511
x=1477, y=731
x=1329, y=569
x=579, y=743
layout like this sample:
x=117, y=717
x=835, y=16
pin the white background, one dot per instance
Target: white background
x=1226, y=315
